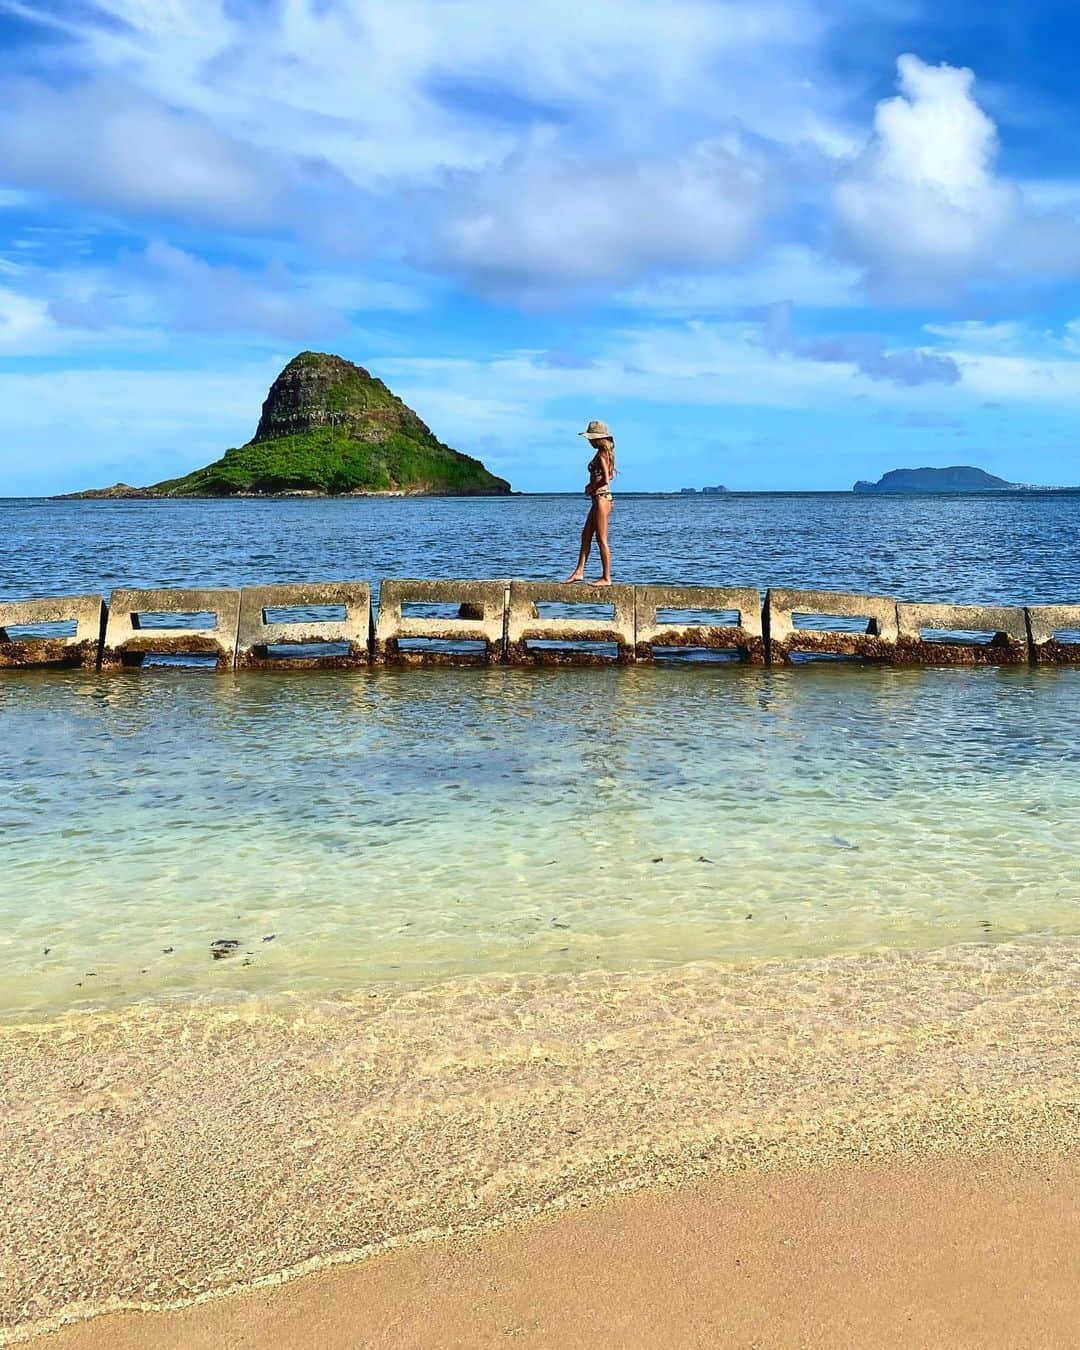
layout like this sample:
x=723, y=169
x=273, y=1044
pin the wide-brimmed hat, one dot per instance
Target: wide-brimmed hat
x=596, y=431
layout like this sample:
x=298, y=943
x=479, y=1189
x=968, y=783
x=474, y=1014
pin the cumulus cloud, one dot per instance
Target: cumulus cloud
x=538, y=224
x=794, y=272
x=26, y=327
x=921, y=205
x=868, y=353
x=923, y=209
x=114, y=146
x=515, y=147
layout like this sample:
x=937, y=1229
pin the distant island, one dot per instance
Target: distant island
x=958, y=478
x=708, y=491
x=330, y=428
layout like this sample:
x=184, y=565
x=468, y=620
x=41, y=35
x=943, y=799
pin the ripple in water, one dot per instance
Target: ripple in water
x=399, y=828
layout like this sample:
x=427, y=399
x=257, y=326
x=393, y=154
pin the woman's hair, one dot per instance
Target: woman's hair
x=605, y=445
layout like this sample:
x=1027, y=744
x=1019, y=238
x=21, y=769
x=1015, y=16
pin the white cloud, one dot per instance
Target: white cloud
x=516, y=146
x=105, y=143
x=867, y=353
x=26, y=326
x=923, y=209
x=921, y=205
x=159, y=291
x=979, y=333
x=540, y=223
x=1049, y=380
x=791, y=272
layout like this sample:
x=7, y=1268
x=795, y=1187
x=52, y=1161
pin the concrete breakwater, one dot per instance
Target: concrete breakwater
x=458, y=622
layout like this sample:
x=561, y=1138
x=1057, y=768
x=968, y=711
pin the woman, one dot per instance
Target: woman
x=601, y=472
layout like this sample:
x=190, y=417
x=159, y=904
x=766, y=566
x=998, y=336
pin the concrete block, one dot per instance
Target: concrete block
x=744, y=636
x=80, y=648
x=257, y=634
x=524, y=624
x=480, y=617
x=1043, y=622
x=874, y=642
x=127, y=642
x=1006, y=628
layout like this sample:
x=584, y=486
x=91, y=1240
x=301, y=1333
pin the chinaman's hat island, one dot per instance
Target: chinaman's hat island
x=328, y=428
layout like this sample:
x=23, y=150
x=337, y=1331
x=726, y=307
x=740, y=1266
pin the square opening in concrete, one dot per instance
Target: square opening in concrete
x=173, y=661
x=304, y=614
x=827, y=658
x=699, y=618
x=585, y=610
x=304, y=651
x=696, y=656
x=431, y=609
x=605, y=650
x=962, y=637
x=450, y=646
x=156, y=619
x=31, y=632
x=834, y=623
x=1066, y=636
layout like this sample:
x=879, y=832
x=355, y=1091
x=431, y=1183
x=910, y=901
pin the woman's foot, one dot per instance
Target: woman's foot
x=574, y=576
x=603, y=581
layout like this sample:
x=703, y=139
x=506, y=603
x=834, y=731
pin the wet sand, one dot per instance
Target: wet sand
x=947, y=1251
x=165, y=1154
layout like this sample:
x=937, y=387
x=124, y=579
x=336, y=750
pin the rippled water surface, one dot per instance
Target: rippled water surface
x=1005, y=548
x=379, y=827
x=408, y=826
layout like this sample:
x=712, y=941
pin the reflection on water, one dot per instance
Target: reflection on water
x=402, y=827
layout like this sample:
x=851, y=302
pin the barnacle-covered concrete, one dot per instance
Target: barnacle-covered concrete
x=1006, y=643
x=79, y=648
x=876, y=642
x=743, y=636
x=526, y=625
x=127, y=643
x=480, y=617
x=257, y=634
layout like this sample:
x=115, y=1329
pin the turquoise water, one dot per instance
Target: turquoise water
x=354, y=828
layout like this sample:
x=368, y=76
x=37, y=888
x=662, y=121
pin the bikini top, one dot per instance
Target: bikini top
x=596, y=466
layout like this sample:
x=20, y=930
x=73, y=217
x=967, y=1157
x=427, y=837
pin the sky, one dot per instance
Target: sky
x=775, y=245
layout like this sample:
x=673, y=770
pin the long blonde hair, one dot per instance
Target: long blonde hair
x=605, y=445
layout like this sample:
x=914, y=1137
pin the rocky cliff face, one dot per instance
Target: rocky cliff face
x=319, y=390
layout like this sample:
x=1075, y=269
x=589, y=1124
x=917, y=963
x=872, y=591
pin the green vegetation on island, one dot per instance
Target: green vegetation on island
x=328, y=427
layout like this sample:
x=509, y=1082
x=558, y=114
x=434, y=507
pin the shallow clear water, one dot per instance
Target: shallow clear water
x=417, y=825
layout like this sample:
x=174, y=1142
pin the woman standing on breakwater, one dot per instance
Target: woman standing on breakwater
x=601, y=472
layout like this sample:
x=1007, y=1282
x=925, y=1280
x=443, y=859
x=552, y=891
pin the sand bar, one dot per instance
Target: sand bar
x=160, y=1155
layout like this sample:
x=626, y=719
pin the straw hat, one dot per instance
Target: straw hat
x=596, y=431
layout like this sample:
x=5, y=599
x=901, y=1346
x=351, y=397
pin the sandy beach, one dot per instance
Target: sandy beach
x=944, y=1251
x=163, y=1155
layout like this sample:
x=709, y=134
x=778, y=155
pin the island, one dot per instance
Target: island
x=958, y=478
x=705, y=491
x=329, y=428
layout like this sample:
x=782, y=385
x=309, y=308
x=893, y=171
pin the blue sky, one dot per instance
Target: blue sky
x=774, y=245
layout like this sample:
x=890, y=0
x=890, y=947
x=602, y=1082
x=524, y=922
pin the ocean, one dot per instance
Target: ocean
x=999, y=547
x=387, y=828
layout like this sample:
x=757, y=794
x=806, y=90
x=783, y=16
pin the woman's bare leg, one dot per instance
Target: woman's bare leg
x=603, y=512
x=588, y=530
